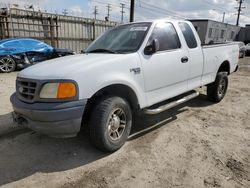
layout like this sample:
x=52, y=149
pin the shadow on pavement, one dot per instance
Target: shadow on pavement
x=147, y=123
x=6, y=124
x=28, y=153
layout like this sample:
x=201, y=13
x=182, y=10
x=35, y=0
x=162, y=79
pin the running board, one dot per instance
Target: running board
x=171, y=104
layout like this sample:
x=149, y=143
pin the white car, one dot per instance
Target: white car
x=130, y=69
x=242, y=47
x=247, y=47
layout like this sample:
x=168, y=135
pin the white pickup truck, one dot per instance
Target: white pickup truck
x=132, y=68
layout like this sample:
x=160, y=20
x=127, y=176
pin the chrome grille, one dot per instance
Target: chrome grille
x=26, y=89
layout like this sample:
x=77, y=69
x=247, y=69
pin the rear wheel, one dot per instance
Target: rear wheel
x=110, y=124
x=7, y=64
x=217, y=90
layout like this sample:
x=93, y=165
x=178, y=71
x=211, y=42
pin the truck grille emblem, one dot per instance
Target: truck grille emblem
x=20, y=89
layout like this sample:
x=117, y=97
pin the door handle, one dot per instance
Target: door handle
x=184, y=59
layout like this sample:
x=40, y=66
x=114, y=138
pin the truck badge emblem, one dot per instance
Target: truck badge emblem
x=136, y=70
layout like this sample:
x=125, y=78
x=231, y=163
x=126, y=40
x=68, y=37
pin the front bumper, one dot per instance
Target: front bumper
x=53, y=119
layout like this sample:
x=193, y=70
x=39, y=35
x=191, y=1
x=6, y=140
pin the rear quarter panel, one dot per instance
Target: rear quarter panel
x=214, y=56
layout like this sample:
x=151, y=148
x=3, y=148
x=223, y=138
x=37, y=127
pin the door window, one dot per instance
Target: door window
x=222, y=34
x=33, y=44
x=232, y=35
x=167, y=36
x=188, y=35
x=210, y=32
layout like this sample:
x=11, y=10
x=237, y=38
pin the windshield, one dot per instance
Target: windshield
x=121, y=39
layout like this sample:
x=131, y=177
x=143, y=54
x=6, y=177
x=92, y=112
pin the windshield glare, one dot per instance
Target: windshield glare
x=121, y=39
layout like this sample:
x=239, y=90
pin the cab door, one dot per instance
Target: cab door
x=166, y=71
x=196, y=59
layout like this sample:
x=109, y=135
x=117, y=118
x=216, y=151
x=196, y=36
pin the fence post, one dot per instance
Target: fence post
x=93, y=30
x=4, y=26
x=57, y=32
x=11, y=22
x=51, y=23
x=7, y=24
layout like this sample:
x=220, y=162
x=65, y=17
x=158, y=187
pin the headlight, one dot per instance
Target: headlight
x=61, y=90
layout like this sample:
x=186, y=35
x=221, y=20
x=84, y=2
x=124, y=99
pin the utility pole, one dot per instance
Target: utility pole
x=122, y=11
x=65, y=12
x=223, y=18
x=109, y=9
x=132, y=10
x=239, y=11
x=95, y=11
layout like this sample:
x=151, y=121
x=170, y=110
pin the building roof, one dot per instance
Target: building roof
x=207, y=20
x=200, y=20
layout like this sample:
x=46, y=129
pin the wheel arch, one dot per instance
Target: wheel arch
x=120, y=90
x=225, y=67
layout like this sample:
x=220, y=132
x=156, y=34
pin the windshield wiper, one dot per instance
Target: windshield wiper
x=102, y=50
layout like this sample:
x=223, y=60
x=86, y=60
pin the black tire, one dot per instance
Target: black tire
x=104, y=122
x=7, y=64
x=216, y=91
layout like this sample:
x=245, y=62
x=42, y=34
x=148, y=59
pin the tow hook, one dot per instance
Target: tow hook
x=17, y=119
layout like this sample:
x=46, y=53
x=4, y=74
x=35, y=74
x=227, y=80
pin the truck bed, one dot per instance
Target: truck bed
x=215, y=54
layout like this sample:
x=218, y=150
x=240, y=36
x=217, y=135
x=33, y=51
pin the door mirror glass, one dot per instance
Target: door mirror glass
x=152, y=48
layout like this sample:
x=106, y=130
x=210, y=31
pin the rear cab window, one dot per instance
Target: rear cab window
x=188, y=35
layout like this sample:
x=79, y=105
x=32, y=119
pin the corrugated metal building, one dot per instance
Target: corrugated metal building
x=215, y=32
x=244, y=34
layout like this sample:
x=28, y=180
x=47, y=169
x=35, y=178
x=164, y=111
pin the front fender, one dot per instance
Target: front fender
x=88, y=89
x=132, y=85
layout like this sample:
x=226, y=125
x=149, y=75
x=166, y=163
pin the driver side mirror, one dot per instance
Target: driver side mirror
x=152, y=48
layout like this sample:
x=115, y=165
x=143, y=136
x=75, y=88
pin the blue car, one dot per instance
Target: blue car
x=19, y=53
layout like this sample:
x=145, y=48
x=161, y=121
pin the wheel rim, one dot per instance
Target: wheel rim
x=116, y=124
x=6, y=64
x=222, y=87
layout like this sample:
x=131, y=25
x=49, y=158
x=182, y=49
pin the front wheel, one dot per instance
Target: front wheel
x=110, y=124
x=7, y=64
x=217, y=90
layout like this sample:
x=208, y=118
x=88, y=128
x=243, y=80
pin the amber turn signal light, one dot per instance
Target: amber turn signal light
x=66, y=90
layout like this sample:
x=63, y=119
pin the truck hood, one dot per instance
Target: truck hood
x=59, y=68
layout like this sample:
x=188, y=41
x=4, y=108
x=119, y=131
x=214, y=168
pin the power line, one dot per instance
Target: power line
x=158, y=12
x=215, y=6
x=152, y=7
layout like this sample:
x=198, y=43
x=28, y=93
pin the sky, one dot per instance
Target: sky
x=144, y=9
